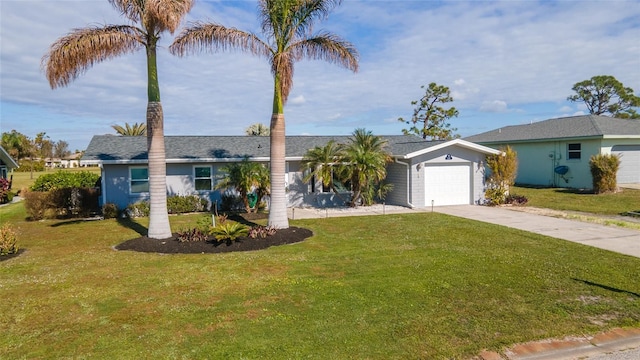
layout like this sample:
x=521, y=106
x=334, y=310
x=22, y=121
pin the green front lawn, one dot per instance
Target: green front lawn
x=382, y=287
x=576, y=200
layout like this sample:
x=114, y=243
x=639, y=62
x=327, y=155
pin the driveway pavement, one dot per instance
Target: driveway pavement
x=621, y=240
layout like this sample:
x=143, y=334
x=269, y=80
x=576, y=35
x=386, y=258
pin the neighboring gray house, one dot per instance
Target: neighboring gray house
x=556, y=152
x=6, y=163
x=423, y=173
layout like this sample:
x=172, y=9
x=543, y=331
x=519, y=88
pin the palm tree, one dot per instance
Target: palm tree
x=322, y=162
x=245, y=177
x=73, y=54
x=131, y=130
x=365, y=160
x=257, y=129
x=287, y=26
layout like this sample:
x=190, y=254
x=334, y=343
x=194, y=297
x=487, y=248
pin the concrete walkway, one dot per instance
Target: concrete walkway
x=621, y=240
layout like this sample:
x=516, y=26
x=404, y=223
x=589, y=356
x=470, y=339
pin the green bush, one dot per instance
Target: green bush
x=604, y=169
x=229, y=231
x=177, y=204
x=25, y=165
x=65, y=179
x=139, y=209
x=110, y=211
x=8, y=240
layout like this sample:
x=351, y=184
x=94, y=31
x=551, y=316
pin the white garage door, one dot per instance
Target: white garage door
x=447, y=184
x=629, y=171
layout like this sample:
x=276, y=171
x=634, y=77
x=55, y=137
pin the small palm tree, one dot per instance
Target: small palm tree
x=245, y=177
x=366, y=160
x=258, y=129
x=287, y=26
x=322, y=162
x=131, y=130
x=73, y=54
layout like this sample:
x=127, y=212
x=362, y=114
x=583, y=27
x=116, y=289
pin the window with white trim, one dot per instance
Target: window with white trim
x=138, y=180
x=203, y=178
x=574, y=151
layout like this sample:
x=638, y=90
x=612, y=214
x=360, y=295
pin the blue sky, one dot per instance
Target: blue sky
x=506, y=63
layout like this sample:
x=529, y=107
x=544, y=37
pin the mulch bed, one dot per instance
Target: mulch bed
x=173, y=246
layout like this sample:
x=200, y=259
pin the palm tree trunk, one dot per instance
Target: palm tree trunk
x=159, y=227
x=278, y=206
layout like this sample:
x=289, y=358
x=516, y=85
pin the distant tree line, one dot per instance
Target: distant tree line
x=20, y=146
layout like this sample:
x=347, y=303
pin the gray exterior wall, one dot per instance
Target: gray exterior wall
x=418, y=169
x=397, y=175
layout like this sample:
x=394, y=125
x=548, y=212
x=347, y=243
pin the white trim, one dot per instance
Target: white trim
x=459, y=142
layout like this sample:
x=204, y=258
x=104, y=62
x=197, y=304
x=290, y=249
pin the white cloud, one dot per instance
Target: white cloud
x=495, y=106
x=298, y=100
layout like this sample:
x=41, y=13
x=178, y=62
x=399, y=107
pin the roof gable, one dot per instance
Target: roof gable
x=7, y=159
x=584, y=126
x=132, y=149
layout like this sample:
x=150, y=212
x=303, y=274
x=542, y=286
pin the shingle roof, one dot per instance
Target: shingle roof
x=568, y=127
x=112, y=148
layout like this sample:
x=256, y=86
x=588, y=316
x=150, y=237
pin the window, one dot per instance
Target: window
x=139, y=177
x=573, y=151
x=202, y=178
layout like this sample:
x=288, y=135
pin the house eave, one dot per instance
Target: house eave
x=455, y=142
x=184, y=161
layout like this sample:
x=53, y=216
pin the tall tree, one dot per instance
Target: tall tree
x=61, y=149
x=73, y=54
x=16, y=144
x=429, y=118
x=605, y=95
x=257, y=129
x=287, y=26
x=43, y=145
x=137, y=129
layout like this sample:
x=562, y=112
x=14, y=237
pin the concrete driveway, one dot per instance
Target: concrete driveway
x=621, y=240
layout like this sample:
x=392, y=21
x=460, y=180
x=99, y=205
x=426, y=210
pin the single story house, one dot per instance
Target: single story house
x=556, y=152
x=6, y=163
x=423, y=173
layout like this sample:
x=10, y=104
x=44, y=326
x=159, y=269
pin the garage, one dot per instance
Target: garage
x=629, y=171
x=447, y=184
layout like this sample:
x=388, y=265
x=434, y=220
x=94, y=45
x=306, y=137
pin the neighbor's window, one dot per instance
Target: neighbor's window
x=139, y=179
x=573, y=151
x=203, y=178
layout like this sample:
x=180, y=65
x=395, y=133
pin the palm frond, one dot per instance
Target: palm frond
x=282, y=69
x=328, y=47
x=166, y=14
x=73, y=54
x=202, y=36
x=154, y=15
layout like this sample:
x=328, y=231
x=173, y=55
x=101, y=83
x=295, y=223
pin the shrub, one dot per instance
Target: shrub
x=5, y=195
x=604, y=168
x=36, y=203
x=25, y=165
x=65, y=179
x=177, y=204
x=229, y=231
x=191, y=235
x=262, y=232
x=231, y=202
x=516, y=199
x=8, y=240
x=110, y=211
x=504, y=169
x=139, y=209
